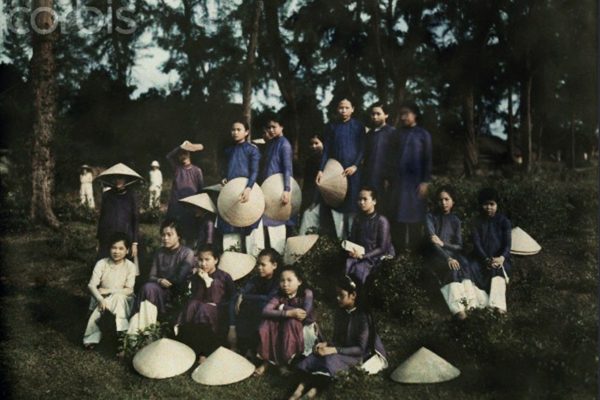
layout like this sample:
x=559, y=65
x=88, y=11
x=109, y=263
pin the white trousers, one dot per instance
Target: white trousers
x=277, y=237
x=146, y=316
x=255, y=241
x=342, y=223
x=154, y=196
x=498, y=293
x=310, y=220
x=461, y=296
x=86, y=193
x=118, y=304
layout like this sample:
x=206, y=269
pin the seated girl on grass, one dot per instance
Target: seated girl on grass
x=288, y=328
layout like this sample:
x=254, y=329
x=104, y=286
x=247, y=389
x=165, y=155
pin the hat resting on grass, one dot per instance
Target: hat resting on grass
x=424, y=366
x=233, y=211
x=333, y=185
x=522, y=243
x=201, y=200
x=236, y=264
x=297, y=246
x=164, y=358
x=272, y=189
x=108, y=176
x=223, y=367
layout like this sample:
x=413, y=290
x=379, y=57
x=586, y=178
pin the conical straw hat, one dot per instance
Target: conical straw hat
x=213, y=188
x=333, y=185
x=233, y=211
x=522, y=243
x=272, y=188
x=201, y=200
x=424, y=366
x=297, y=246
x=223, y=367
x=120, y=169
x=164, y=358
x=236, y=264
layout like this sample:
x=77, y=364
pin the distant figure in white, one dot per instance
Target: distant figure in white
x=156, y=181
x=86, y=190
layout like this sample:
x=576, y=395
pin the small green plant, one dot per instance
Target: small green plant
x=131, y=344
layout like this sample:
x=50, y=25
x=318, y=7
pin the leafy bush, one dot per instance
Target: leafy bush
x=131, y=344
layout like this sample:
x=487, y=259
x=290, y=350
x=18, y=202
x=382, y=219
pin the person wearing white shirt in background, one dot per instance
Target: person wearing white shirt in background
x=155, y=188
x=86, y=190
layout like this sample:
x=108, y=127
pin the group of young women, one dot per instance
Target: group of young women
x=271, y=317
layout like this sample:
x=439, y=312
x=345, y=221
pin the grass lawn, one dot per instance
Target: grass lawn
x=544, y=348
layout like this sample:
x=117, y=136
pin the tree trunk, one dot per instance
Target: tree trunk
x=510, y=132
x=526, y=125
x=250, y=61
x=470, y=138
x=43, y=72
x=379, y=61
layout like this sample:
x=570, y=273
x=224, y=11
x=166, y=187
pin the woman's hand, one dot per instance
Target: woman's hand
x=285, y=198
x=245, y=196
x=453, y=264
x=318, y=177
x=134, y=250
x=326, y=350
x=164, y=283
x=435, y=239
x=238, y=304
x=354, y=254
x=351, y=170
x=103, y=305
x=422, y=190
x=296, y=313
x=224, y=181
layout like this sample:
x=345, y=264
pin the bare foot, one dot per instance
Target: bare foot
x=260, y=371
x=201, y=359
x=297, y=393
x=311, y=394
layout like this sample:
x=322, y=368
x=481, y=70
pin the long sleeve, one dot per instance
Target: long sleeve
x=129, y=281
x=326, y=146
x=103, y=209
x=360, y=338
x=429, y=225
x=361, y=145
x=308, y=303
x=172, y=157
x=271, y=310
x=478, y=244
x=506, y=236
x=230, y=298
x=185, y=268
x=427, y=157
x=135, y=219
x=199, y=180
x=153, y=277
x=286, y=155
x=95, y=280
x=457, y=242
x=253, y=160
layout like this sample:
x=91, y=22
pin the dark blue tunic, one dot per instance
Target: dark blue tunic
x=355, y=340
x=278, y=160
x=241, y=161
x=491, y=238
x=118, y=213
x=376, y=157
x=373, y=233
x=448, y=228
x=411, y=152
x=345, y=142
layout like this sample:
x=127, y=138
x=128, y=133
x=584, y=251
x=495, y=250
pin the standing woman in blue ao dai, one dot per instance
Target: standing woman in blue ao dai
x=379, y=139
x=277, y=160
x=410, y=172
x=372, y=231
x=241, y=161
x=445, y=258
x=491, y=249
x=344, y=141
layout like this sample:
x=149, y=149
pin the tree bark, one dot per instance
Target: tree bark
x=470, y=138
x=43, y=75
x=526, y=125
x=250, y=61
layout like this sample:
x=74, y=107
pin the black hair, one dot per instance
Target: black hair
x=349, y=283
x=448, y=189
x=120, y=237
x=207, y=248
x=488, y=194
x=273, y=118
x=170, y=223
x=303, y=286
x=371, y=189
x=412, y=106
x=381, y=105
x=273, y=255
x=243, y=122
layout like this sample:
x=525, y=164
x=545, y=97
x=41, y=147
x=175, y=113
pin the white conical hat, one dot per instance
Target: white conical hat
x=522, y=243
x=164, y=358
x=233, y=211
x=297, y=246
x=223, y=367
x=272, y=188
x=107, y=175
x=236, y=264
x=201, y=200
x=213, y=188
x=425, y=366
x=333, y=185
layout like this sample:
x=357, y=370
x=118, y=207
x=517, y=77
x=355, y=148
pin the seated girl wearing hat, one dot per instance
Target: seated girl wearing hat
x=202, y=319
x=241, y=160
x=491, y=236
x=354, y=341
x=370, y=230
x=169, y=276
x=444, y=246
x=111, y=286
x=252, y=299
x=287, y=329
